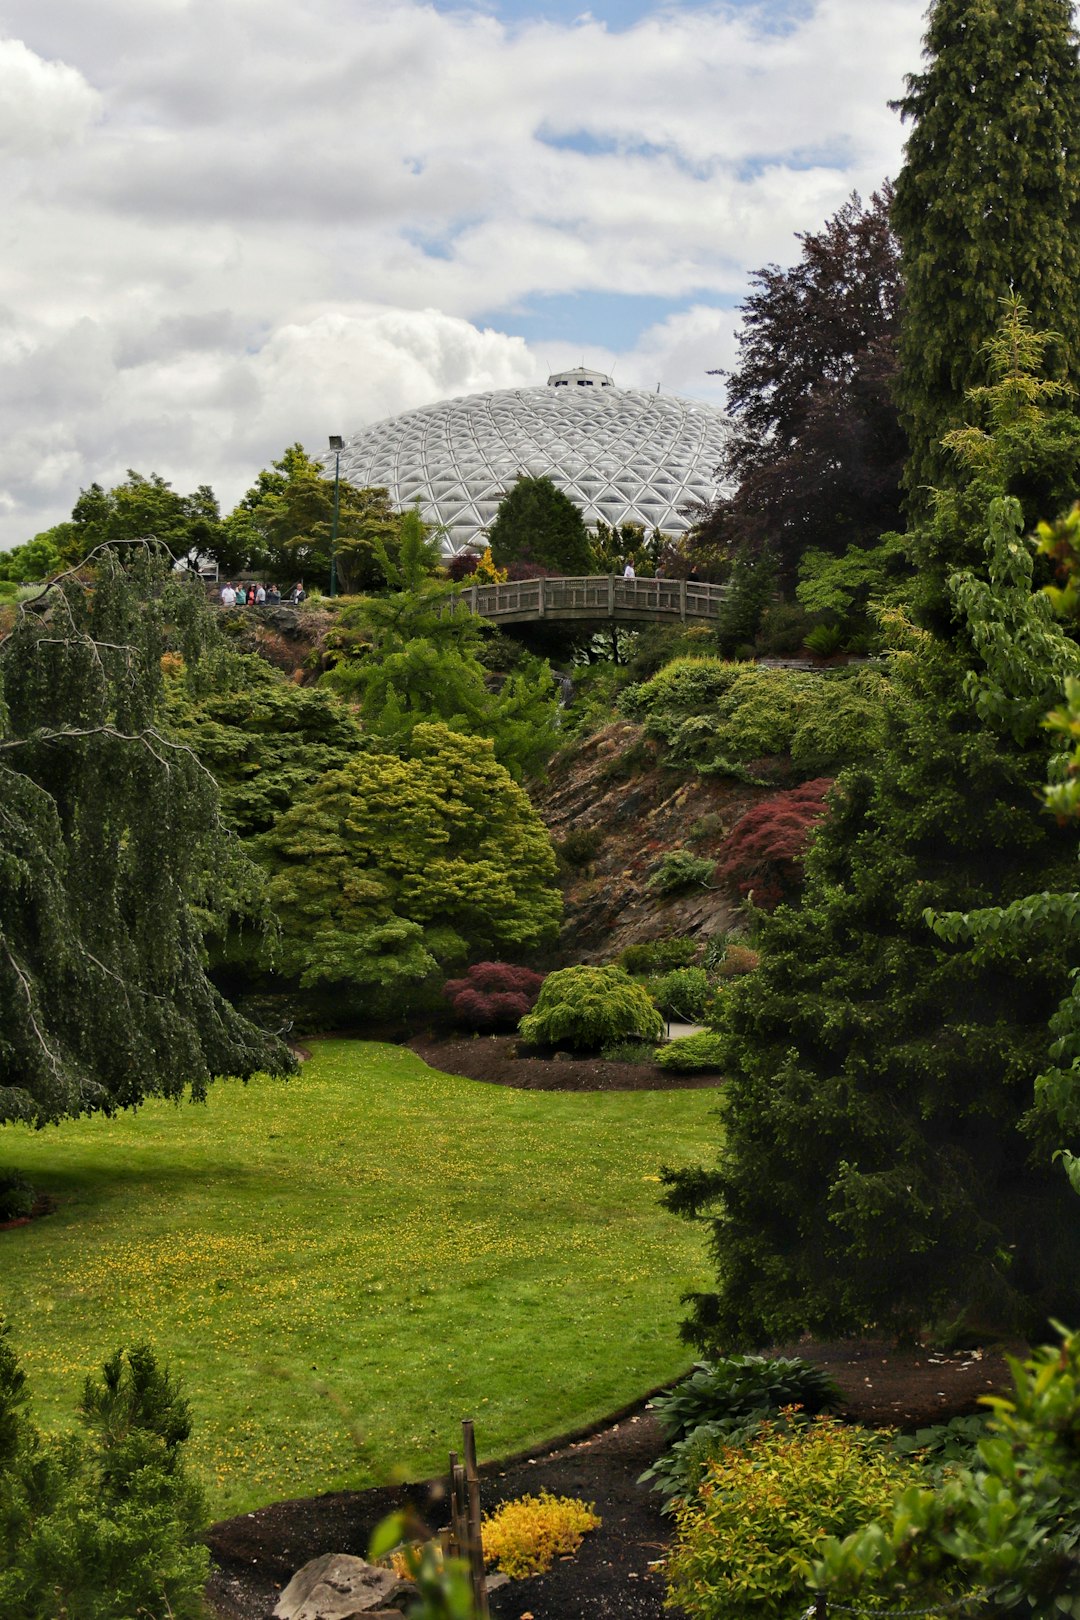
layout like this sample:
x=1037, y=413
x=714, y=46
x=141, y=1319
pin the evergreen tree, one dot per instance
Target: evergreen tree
x=876, y=1166
x=109, y=829
x=537, y=524
x=987, y=203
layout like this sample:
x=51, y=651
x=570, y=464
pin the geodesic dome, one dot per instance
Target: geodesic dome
x=622, y=455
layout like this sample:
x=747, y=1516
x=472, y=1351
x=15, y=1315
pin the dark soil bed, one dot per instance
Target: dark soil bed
x=494, y=1058
x=612, y=1575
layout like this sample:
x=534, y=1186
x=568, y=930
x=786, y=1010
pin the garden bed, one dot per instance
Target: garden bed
x=494, y=1058
x=612, y=1575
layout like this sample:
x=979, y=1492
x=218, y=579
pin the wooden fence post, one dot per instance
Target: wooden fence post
x=476, y=1545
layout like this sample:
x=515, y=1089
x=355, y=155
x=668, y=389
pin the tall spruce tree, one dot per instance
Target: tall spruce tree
x=877, y=1167
x=987, y=204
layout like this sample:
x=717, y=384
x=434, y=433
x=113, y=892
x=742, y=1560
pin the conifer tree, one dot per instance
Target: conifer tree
x=536, y=523
x=108, y=828
x=877, y=1167
x=987, y=204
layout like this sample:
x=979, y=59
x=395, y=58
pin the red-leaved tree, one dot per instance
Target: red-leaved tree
x=764, y=851
x=493, y=995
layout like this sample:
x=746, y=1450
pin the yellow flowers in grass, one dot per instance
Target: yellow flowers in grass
x=525, y=1536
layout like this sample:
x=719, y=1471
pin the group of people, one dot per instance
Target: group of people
x=256, y=594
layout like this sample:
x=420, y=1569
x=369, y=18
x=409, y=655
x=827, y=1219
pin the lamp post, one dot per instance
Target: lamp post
x=337, y=444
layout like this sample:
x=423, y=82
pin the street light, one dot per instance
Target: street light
x=337, y=445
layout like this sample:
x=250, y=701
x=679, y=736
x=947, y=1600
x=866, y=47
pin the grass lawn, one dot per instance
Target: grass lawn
x=343, y=1266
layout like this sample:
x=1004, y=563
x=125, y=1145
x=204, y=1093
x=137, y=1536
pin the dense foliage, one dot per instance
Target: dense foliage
x=402, y=864
x=880, y=1165
x=1007, y=1524
x=109, y=829
x=537, y=523
x=493, y=995
x=591, y=1007
x=284, y=527
x=987, y=204
x=408, y=660
x=763, y=854
x=816, y=452
x=702, y=1053
x=745, y=1537
x=720, y=718
x=104, y=1524
x=742, y=1387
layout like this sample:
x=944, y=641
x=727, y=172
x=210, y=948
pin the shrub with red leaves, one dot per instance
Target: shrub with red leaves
x=493, y=995
x=764, y=851
x=462, y=564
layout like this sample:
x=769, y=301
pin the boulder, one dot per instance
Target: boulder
x=338, y=1586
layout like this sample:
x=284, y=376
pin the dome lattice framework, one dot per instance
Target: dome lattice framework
x=622, y=455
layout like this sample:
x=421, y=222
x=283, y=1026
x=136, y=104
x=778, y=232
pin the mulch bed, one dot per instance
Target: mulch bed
x=494, y=1058
x=612, y=1576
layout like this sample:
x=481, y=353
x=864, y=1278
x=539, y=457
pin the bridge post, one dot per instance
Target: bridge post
x=541, y=598
x=472, y=599
x=682, y=600
x=611, y=596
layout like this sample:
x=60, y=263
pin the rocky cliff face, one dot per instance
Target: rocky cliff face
x=619, y=811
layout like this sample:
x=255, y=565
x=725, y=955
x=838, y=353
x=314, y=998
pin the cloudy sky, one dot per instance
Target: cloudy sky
x=231, y=224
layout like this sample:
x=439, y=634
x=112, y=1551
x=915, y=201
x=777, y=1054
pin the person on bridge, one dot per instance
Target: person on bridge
x=628, y=571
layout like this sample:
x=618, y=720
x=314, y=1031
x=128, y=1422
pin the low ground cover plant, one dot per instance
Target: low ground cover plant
x=493, y=995
x=525, y=1536
x=659, y=955
x=742, y=1386
x=692, y=1054
x=719, y=717
x=680, y=869
x=589, y=1007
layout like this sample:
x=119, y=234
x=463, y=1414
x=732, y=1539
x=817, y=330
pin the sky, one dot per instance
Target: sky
x=231, y=225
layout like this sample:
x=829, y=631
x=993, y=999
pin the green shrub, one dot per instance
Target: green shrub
x=685, y=686
x=16, y=1196
x=824, y=640
x=692, y=1054
x=677, y=1472
x=678, y=870
x=715, y=716
x=682, y=994
x=658, y=955
x=590, y=1007
x=742, y=1386
x=745, y=1538
x=103, y=1525
x=627, y=1052
x=579, y=846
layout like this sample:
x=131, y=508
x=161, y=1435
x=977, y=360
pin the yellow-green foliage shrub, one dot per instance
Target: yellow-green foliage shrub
x=716, y=715
x=591, y=1007
x=746, y=1539
x=525, y=1536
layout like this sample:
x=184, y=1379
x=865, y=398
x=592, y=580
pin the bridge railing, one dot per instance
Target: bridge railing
x=592, y=596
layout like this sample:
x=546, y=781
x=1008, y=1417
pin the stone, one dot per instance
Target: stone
x=338, y=1586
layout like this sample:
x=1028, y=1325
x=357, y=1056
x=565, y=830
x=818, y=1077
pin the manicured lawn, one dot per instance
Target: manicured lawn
x=370, y=1247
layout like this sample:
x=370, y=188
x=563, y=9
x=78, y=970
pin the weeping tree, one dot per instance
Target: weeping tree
x=110, y=828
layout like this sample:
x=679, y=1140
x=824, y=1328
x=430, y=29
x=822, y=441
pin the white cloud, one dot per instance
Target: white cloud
x=43, y=105
x=243, y=222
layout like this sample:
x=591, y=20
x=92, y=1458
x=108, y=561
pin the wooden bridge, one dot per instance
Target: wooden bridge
x=593, y=596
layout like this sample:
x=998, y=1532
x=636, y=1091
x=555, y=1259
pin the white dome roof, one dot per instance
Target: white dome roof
x=622, y=455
